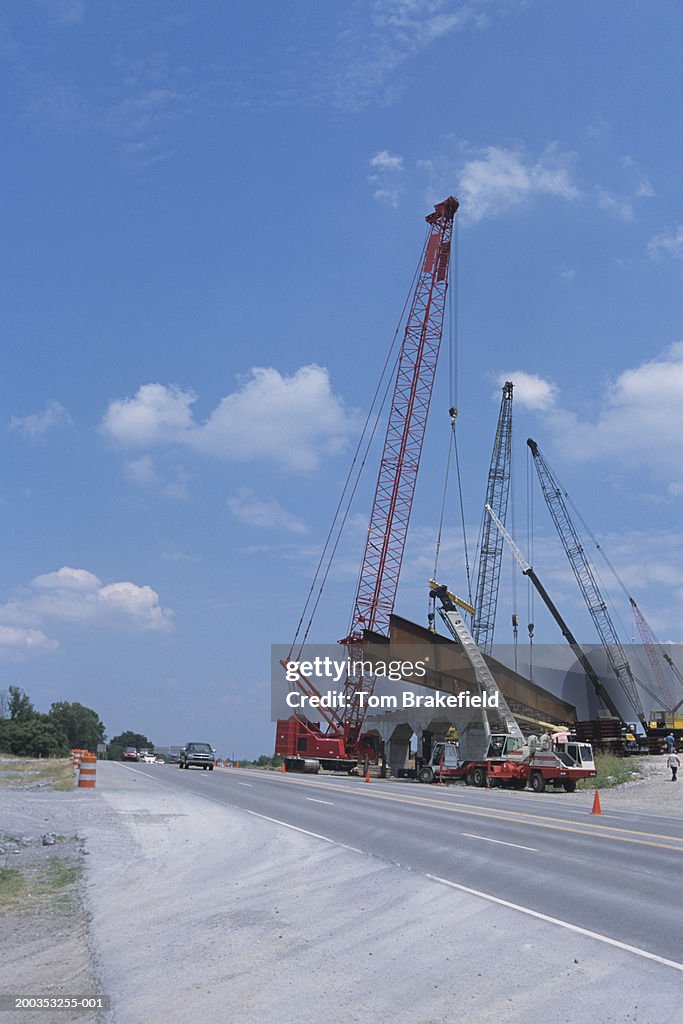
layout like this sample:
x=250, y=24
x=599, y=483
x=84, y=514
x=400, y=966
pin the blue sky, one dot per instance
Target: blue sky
x=211, y=215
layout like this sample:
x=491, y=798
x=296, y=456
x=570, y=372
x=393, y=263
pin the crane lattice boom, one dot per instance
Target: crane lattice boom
x=491, y=551
x=385, y=543
x=554, y=497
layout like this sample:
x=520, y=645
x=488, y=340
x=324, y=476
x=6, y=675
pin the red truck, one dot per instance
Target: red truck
x=513, y=763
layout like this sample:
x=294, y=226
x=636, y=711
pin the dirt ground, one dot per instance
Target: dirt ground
x=44, y=924
x=177, y=908
x=650, y=791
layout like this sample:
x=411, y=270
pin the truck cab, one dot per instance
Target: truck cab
x=502, y=745
x=580, y=754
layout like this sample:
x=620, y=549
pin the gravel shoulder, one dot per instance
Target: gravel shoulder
x=44, y=923
x=652, y=792
x=193, y=908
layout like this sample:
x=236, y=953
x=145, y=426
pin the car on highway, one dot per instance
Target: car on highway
x=173, y=759
x=198, y=755
x=130, y=754
x=150, y=759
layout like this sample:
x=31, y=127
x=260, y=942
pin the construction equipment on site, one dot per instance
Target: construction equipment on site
x=554, y=495
x=507, y=758
x=581, y=657
x=512, y=764
x=491, y=549
x=341, y=744
x=661, y=719
x=455, y=623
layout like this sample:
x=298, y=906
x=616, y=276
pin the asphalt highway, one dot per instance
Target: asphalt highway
x=619, y=876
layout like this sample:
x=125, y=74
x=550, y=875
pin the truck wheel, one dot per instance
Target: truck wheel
x=478, y=776
x=426, y=775
x=537, y=782
x=569, y=785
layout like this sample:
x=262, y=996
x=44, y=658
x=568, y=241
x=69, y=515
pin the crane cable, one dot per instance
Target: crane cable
x=453, y=453
x=617, y=577
x=341, y=513
x=443, y=505
x=530, y=557
x=513, y=566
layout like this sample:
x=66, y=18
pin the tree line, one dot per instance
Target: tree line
x=26, y=732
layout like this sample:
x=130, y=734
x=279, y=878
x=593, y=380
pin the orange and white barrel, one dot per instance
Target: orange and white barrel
x=88, y=770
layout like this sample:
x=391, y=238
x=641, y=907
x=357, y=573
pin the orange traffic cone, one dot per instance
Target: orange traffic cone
x=367, y=775
x=596, y=804
x=237, y=764
x=283, y=769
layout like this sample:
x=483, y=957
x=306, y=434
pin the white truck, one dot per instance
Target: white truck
x=507, y=758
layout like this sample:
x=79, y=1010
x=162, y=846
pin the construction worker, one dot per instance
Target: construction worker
x=673, y=762
x=670, y=743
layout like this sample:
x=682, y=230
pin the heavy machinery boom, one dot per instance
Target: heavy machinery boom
x=585, y=577
x=581, y=657
x=393, y=500
x=455, y=623
x=491, y=550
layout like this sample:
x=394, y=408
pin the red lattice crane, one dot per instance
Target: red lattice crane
x=392, y=504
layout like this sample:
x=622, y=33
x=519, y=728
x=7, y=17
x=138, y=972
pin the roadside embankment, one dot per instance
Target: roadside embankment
x=194, y=909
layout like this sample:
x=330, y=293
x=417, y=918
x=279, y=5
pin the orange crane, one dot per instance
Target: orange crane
x=340, y=745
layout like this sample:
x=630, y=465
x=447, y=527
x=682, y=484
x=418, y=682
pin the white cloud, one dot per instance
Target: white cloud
x=141, y=471
x=619, y=207
x=530, y=390
x=78, y=596
x=35, y=425
x=386, y=161
x=290, y=420
x=622, y=206
x=379, y=37
x=668, y=243
x=500, y=179
x=640, y=423
x=641, y=419
x=156, y=415
x=17, y=640
x=390, y=196
x=386, y=180
x=250, y=509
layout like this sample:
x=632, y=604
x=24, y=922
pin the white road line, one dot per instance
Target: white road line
x=643, y=953
x=315, y=801
x=561, y=924
x=499, y=841
x=244, y=784
x=316, y=835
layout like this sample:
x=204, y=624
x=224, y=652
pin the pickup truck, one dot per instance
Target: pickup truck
x=199, y=755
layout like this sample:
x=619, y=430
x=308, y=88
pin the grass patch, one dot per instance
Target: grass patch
x=53, y=882
x=612, y=771
x=24, y=771
x=59, y=875
x=12, y=886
